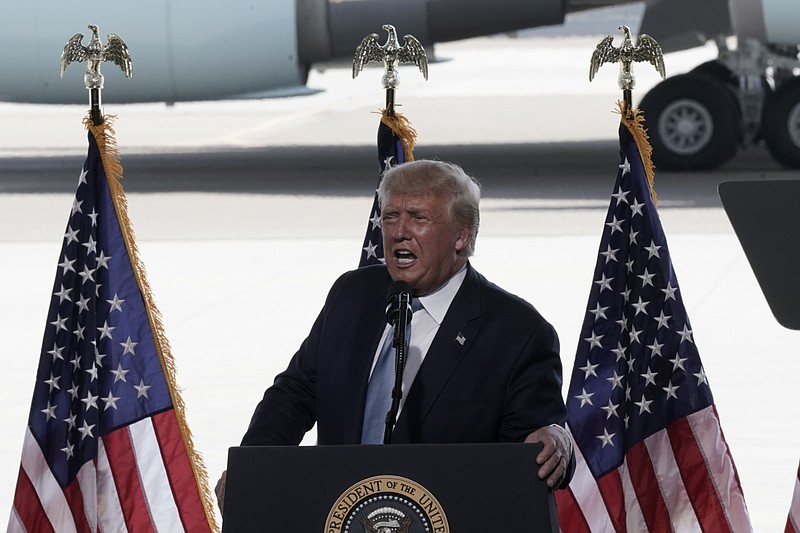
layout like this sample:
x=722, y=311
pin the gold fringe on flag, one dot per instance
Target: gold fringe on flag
x=401, y=127
x=109, y=153
x=635, y=123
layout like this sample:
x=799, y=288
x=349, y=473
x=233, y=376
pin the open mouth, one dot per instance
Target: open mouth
x=404, y=257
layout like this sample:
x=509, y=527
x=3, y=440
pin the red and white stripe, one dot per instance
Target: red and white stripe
x=793, y=522
x=680, y=479
x=141, y=481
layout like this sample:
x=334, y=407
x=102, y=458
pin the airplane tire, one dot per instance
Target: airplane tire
x=718, y=71
x=693, y=122
x=780, y=125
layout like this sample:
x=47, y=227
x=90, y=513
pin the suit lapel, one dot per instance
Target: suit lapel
x=354, y=362
x=453, y=340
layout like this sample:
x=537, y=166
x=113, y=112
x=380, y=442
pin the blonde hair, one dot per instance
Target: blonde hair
x=439, y=178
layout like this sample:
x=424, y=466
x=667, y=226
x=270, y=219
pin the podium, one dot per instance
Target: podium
x=764, y=216
x=403, y=488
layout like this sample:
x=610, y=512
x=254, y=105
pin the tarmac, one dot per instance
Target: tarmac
x=246, y=211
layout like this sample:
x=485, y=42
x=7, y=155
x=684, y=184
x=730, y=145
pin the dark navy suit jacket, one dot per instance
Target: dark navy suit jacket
x=503, y=382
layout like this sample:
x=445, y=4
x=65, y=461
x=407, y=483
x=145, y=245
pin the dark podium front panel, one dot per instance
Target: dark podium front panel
x=460, y=488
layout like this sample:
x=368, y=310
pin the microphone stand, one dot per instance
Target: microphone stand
x=399, y=343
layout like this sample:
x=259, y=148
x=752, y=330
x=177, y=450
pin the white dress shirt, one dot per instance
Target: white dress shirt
x=424, y=325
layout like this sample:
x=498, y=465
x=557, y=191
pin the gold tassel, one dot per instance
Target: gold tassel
x=635, y=123
x=401, y=127
x=109, y=153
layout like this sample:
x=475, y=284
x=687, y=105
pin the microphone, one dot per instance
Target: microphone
x=398, y=303
x=398, y=314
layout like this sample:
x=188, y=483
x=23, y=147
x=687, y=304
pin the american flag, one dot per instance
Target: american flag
x=391, y=152
x=651, y=455
x=793, y=522
x=106, y=447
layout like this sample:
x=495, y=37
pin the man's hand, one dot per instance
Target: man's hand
x=555, y=455
x=219, y=490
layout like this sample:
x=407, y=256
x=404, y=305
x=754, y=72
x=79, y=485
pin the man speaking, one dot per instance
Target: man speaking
x=481, y=364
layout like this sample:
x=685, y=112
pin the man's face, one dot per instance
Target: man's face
x=420, y=245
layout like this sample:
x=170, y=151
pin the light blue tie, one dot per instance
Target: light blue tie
x=379, y=390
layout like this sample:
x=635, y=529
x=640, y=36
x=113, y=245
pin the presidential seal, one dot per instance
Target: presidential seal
x=386, y=504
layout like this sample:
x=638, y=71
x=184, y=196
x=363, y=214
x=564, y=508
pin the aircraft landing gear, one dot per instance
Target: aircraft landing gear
x=780, y=124
x=693, y=122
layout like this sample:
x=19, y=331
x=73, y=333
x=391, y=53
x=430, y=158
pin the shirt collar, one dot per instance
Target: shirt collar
x=438, y=302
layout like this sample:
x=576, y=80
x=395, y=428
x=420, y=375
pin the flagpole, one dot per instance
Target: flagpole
x=390, y=102
x=95, y=111
x=627, y=99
